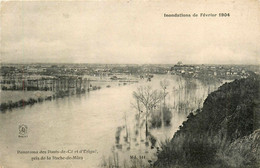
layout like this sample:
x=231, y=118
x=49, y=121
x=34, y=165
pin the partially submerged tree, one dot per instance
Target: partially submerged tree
x=164, y=84
x=149, y=99
x=138, y=106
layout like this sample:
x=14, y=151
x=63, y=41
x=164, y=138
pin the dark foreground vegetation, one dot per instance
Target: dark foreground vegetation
x=224, y=133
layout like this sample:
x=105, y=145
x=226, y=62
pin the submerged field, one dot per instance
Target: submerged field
x=15, y=96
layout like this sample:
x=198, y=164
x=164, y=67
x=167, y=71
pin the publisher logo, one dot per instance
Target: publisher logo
x=23, y=131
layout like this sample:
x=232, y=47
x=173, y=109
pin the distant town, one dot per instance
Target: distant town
x=55, y=77
x=219, y=72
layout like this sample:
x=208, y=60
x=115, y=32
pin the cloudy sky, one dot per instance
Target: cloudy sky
x=130, y=32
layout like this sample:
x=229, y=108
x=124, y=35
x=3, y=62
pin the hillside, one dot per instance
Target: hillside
x=229, y=117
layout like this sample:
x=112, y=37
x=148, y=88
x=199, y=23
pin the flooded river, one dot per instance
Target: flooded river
x=87, y=123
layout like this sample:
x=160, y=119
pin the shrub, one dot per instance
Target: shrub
x=156, y=121
x=167, y=116
x=3, y=107
x=40, y=99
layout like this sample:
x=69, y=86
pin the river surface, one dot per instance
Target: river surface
x=88, y=122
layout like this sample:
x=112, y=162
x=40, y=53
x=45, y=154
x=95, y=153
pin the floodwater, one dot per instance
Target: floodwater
x=88, y=122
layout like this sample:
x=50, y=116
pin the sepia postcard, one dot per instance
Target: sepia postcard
x=130, y=84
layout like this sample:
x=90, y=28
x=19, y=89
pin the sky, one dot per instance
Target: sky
x=134, y=32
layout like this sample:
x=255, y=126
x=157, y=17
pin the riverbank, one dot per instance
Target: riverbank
x=15, y=99
x=224, y=133
x=19, y=99
x=15, y=96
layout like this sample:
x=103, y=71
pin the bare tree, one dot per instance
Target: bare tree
x=149, y=99
x=138, y=107
x=164, y=84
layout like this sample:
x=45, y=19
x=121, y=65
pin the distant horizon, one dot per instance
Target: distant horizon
x=128, y=63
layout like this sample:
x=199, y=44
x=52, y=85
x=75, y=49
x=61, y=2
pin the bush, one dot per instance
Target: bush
x=31, y=101
x=4, y=88
x=3, y=107
x=156, y=121
x=167, y=116
x=48, y=98
x=40, y=99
